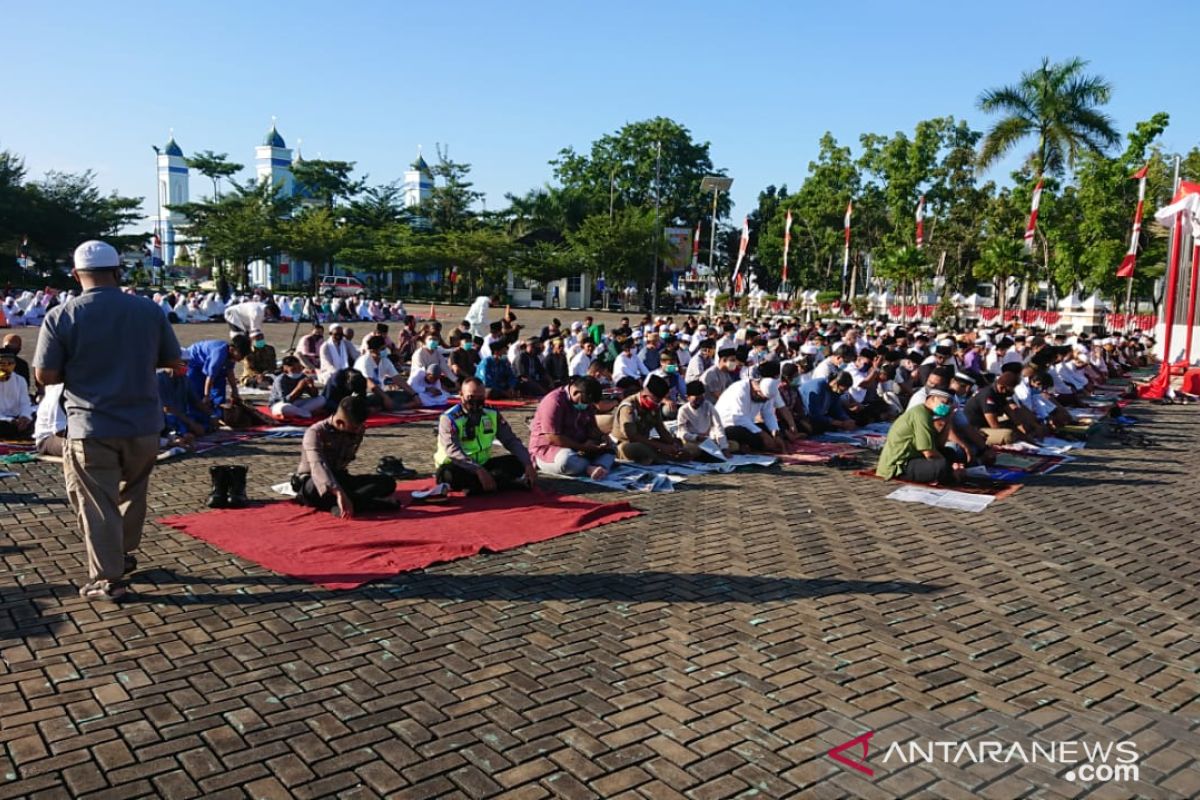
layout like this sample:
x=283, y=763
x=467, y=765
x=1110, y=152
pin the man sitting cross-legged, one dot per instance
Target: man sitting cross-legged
x=322, y=480
x=564, y=438
x=636, y=418
x=294, y=393
x=914, y=447
x=698, y=422
x=464, y=459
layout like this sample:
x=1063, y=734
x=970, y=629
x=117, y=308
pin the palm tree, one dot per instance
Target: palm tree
x=1058, y=104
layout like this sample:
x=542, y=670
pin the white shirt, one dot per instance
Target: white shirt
x=378, y=372
x=857, y=393
x=51, y=416
x=826, y=368
x=334, y=357
x=14, y=399
x=692, y=423
x=736, y=407
x=430, y=393
x=1036, y=403
x=247, y=316
x=629, y=366
x=579, y=364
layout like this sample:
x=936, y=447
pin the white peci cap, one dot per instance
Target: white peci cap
x=96, y=255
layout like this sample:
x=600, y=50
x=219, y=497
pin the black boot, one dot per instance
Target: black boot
x=220, y=487
x=237, y=487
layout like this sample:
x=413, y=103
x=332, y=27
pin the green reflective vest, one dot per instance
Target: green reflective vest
x=478, y=447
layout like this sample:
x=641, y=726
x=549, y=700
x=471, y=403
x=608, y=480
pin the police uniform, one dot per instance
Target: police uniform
x=465, y=444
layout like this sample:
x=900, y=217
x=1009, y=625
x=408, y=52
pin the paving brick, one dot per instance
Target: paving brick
x=708, y=649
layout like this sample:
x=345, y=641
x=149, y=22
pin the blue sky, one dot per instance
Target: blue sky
x=93, y=85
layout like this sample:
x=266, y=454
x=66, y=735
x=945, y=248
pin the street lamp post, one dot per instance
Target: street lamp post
x=718, y=184
x=158, y=218
x=657, y=231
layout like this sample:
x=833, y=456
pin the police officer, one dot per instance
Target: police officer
x=104, y=347
x=464, y=457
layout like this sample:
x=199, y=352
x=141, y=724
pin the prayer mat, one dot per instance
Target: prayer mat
x=810, y=452
x=344, y=554
x=378, y=419
x=19, y=446
x=1013, y=466
x=971, y=485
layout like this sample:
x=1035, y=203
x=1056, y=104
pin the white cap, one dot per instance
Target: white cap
x=769, y=387
x=96, y=255
x=576, y=325
x=337, y=326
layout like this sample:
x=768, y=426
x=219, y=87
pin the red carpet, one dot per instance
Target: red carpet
x=377, y=420
x=345, y=554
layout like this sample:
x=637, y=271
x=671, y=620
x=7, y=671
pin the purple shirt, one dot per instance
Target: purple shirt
x=557, y=415
x=972, y=361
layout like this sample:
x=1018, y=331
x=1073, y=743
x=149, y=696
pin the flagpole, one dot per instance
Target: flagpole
x=1191, y=312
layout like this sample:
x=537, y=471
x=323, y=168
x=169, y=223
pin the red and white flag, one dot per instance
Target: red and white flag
x=1033, y=214
x=787, y=243
x=738, y=280
x=1185, y=207
x=846, y=254
x=921, y=222
x=696, y=252
x=1130, y=259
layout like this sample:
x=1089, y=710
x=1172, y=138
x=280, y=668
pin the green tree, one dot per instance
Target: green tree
x=448, y=207
x=214, y=166
x=1105, y=197
x=242, y=227
x=377, y=249
x=818, y=209
x=1059, y=105
x=620, y=171
x=65, y=209
x=326, y=181
x=620, y=249
x=313, y=234
x=1002, y=258
x=906, y=267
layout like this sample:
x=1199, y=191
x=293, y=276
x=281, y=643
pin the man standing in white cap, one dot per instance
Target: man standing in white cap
x=114, y=414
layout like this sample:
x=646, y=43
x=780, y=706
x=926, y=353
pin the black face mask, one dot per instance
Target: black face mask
x=473, y=404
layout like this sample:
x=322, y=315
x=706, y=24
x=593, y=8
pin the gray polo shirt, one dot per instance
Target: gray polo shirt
x=107, y=345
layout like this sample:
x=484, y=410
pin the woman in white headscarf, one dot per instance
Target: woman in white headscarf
x=477, y=316
x=182, y=312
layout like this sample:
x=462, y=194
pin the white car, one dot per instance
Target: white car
x=342, y=286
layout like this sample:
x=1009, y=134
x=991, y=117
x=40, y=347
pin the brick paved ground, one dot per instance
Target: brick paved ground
x=717, y=647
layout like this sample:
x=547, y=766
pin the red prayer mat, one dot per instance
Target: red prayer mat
x=808, y=452
x=997, y=489
x=344, y=554
x=7, y=448
x=378, y=419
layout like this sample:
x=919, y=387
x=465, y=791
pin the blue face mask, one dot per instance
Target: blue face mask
x=580, y=406
x=941, y=410
x=432, y=345
x=670, y=369
x=467, y=345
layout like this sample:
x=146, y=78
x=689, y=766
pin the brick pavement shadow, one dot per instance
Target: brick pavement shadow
x=30, y=498
x=22, y=615
x=644, y=587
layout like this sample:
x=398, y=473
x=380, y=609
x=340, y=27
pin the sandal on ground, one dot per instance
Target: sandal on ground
x=111, y=591
x=437, y=494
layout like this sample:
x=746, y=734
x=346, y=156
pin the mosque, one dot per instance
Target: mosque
x=273, y=160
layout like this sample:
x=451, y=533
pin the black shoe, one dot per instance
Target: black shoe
x=394, y=468
x=220, y=487
x=130, y=563
x=237, y=487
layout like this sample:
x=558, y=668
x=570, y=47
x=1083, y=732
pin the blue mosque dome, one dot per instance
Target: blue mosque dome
x=173, y=149
x=273, y=138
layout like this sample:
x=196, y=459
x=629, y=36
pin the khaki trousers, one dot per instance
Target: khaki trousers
x=998, y=436
x=107, y=479
x=637, y=452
